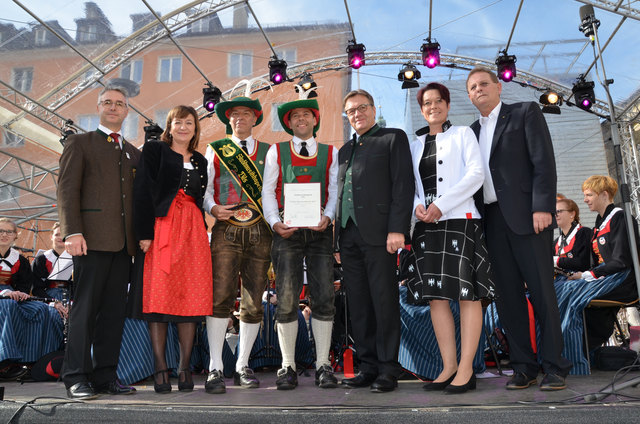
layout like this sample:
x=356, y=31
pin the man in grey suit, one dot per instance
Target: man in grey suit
x=519, y=200
x=95, y=188
x=375, y=201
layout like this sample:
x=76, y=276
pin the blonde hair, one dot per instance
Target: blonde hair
x=10, y=222
x=600, y=183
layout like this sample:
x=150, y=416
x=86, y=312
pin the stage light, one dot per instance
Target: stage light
x=506, y=66
x=152, y=131
x=211, y=97
x=409, y=75
x=67, y=130
x=551, y=102
x=583, y=94
x=355, y=54
x=587, y=21
x=277, y=70
x=430, y=53
x=307, y=83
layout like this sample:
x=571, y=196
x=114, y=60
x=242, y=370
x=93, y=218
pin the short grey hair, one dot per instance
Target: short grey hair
x=120, y=89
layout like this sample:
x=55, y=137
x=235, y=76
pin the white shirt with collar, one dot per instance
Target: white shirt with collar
x=208, y=201
x=487, y=129
x=272, y=171
x=107, y=131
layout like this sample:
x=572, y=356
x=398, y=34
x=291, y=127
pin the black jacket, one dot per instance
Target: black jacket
x=383, y=184
x=522, y=165
x=577, y=253
x=157, y=182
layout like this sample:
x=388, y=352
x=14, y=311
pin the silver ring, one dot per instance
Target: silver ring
x=435, y=221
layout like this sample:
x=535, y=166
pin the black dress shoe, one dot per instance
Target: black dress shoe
x=433, y=386
x=12, y=372
x=165, y=385
x=215, y=383
x=360, y=380
x=325, y=378
x=384, y=383
x=82, y=390
x=520, y=380
x=287, y=379
x=246, y=379
x=115, y=388
x=469, y=385
x=553, y=382
x=185, y=384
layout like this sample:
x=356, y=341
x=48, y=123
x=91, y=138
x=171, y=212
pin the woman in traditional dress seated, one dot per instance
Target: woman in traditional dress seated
x=53, y=270
x=448, y=240
x=572, y=249
x=29, y=329
x=611, y=277
x=177, y=285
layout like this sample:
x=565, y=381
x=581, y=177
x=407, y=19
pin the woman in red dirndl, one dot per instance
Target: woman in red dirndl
x=177, y=284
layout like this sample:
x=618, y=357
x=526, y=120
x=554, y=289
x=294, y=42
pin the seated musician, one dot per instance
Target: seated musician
x=30, y=329
x=53, y=270
x=611, y=278
x=572, y=249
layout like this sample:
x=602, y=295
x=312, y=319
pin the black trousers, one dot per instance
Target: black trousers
x=97, y=317
x=518, y=260
x=371, y=285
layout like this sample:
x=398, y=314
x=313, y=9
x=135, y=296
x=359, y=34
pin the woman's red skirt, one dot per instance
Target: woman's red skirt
x=177, y=266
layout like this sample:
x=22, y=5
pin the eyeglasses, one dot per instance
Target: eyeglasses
x=109, y=103
x=361, y=108
x=6, y=232
x=561, y=210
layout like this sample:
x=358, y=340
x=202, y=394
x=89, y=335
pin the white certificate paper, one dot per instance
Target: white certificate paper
x=302, y=204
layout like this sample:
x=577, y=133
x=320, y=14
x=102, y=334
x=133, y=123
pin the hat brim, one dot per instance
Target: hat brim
x=284, y=110
x=222, y=109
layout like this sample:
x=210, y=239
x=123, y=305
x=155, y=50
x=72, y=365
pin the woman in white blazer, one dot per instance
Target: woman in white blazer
x=447, y=240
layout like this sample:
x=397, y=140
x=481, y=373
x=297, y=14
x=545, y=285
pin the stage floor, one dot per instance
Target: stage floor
x=47, y=402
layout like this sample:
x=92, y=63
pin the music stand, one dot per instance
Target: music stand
x=267, y=351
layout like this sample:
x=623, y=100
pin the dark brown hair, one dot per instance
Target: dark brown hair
x=444, y=92
x=180, y=112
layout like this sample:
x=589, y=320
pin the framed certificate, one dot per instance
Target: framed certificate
x=301, y=204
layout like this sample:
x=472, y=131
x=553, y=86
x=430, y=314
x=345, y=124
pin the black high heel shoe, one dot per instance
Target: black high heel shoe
x=185, y=385
x=469, y=385
x=165, y=386
x=432, y=387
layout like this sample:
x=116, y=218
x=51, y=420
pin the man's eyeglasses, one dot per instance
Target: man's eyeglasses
x=108, y=103
x=6, y=232
x=561, y=210
x=361, y=108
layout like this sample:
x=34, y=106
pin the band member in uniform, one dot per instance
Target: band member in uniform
x=53, y=269
x=240, y=238
x=302, y=160
x=30, y=329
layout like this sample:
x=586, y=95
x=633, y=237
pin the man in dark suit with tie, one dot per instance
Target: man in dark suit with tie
x=95, y=188
x=519, y=196
x=375, y=201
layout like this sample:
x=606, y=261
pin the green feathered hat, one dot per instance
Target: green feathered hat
x=223, y=109
x=285, y=109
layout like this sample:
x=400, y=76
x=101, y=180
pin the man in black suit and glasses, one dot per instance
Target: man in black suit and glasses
x=519, y=194
x=375, y=201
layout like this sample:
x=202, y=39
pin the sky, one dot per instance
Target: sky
x=475, y=28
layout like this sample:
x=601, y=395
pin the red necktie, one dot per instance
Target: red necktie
x=116, y=139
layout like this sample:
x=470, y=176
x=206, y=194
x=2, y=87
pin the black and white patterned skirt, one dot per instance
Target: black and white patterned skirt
x=450, y=261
